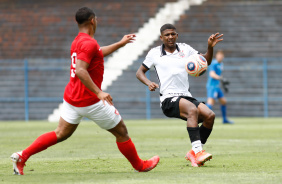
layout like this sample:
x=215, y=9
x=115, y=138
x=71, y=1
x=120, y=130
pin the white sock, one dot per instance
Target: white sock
x=197, y=146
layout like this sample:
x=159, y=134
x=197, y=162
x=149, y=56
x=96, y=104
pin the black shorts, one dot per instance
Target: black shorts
x=170, y=106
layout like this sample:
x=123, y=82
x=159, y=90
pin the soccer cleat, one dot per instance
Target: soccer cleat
x=18, y=163
x=202, y=157
x=150, y=164
x=192, y=158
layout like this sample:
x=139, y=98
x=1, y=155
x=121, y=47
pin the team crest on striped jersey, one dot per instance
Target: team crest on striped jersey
x=181, y=54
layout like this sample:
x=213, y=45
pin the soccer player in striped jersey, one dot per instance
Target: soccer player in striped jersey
x=176, y=100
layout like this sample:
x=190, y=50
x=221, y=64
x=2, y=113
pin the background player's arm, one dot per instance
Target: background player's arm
x=107, y=50
x=214, y=75
x=212, y=41
x=140, y=74
x=82, y=73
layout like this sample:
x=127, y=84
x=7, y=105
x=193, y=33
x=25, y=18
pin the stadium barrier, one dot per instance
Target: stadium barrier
x=252, y=80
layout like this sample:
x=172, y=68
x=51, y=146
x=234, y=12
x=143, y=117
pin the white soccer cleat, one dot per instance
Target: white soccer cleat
x=18, y=163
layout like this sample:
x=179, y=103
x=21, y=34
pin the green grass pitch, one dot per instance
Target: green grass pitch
x=250, y=151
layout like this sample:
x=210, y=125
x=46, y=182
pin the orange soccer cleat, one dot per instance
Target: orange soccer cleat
x=202, y=157
x=150, y=164
x=18, y=163
x=192, y=158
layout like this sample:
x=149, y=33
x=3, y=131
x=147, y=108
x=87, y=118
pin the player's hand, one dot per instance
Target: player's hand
x=152, y=86
x=127, y=39
x=105, y=97
x=224, y=81
x=225, y=84
x=214, y=39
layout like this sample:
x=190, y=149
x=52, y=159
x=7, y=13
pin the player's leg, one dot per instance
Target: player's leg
x=223, y=107
x=108, y=118
x=127, y=148
x=189, y=111
x=207, y=116
x=61, y=133
x=210, y=103
x=211, y=96
x=120, y=132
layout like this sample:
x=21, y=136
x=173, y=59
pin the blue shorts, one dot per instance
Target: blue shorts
x=214, y=93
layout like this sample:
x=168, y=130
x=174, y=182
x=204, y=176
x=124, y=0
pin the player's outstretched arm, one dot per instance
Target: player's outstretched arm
x=107, y=50
x=212, y=41
x=140, y=74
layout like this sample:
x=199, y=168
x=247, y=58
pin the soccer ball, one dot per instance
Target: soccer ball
x=196, y=65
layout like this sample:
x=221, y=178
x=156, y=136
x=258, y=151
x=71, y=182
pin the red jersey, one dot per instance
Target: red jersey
x=84, y=48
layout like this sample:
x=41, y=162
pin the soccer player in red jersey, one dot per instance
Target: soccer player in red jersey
x=83, y=97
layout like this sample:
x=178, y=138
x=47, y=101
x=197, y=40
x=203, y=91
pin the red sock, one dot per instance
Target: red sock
x=41, y=143
x=128, y=149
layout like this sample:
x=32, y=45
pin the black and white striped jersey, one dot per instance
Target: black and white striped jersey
x=170, y=68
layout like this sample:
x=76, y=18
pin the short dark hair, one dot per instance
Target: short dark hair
x=83, y=15
x=167, y=26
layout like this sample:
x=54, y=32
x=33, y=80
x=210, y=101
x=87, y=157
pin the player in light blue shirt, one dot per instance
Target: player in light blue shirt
x=214, y=91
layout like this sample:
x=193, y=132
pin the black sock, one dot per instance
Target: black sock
x=194, y=133
x=204, y=133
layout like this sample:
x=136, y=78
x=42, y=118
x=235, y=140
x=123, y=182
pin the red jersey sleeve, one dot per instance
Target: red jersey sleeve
x=87, y=50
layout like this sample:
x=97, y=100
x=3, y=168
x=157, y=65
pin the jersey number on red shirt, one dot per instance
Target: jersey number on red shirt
x=73, y=64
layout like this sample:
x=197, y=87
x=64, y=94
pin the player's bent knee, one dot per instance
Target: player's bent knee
x=189, y=112
x=120, y=132
x=121, y=137
x=211, y=116
x=61, y=136
x=193, y=111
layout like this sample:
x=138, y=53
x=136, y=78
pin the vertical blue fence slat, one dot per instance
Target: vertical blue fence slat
x=148, y=99
x=265, y=87
x=26, y=99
